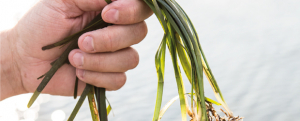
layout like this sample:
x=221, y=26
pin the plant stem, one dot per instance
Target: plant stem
x=100, y=96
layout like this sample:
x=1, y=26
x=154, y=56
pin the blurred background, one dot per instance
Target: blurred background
x=252, y=46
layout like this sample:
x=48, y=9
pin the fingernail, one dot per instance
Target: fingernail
x=112, y=15
x=88, y=43
x=80, y=73
x=78, y=59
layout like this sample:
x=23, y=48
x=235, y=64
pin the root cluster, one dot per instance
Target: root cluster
x=214, y=116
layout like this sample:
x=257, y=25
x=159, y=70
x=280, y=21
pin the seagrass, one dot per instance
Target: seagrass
x=182, y=41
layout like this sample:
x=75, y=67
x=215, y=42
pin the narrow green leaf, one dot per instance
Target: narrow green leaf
x=207, y=69
x=52, y=63
x=102, y=104
x=80, y=101
x=198, y=59
x=109, y=108
x=60, y=61
x=184, y=59
x=108, y=1
x=160, y=16
x=41, y=77
x=76, y=88
x=33, y=98
x=212, y=101
x=92, y=105
x=96, y=23
x=180, y=85
x=160, y=68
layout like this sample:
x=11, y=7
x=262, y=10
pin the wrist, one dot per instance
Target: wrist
x=10, y=79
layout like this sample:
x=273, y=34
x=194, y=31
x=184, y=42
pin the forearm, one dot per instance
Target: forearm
x=10, y=81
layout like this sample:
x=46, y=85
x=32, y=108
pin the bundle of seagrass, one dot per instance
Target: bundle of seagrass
x=182, y=41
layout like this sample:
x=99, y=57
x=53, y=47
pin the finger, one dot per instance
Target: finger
x=119, y=61
x=112, y=38
x=90, y=5
x=126, y=12
x=109, y=81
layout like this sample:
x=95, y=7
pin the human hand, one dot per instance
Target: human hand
x=102, y=59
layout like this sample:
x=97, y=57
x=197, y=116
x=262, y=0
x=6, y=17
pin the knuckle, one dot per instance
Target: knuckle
x=98, y=63
x=99, y=39
x=109, y=43
x=134, y=14
x=95, y=63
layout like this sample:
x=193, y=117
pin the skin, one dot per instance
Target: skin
x=102, y=60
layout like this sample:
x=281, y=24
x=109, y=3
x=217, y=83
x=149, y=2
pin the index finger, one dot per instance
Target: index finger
x=112, y=38
x=126, y=12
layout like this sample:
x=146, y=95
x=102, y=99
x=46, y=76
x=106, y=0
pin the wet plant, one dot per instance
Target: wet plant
x=181, y=39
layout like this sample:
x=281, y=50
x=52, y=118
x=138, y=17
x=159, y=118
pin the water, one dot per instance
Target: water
x=252, y=47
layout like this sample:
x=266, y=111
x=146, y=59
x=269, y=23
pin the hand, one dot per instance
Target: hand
x=102, y=60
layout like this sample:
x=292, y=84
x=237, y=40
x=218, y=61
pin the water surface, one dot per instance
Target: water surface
x=253, y=48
